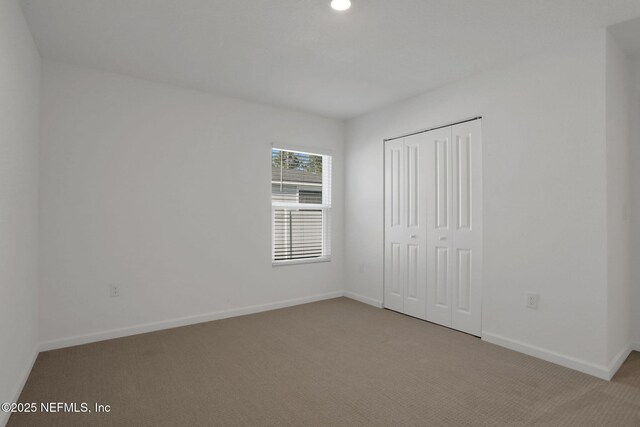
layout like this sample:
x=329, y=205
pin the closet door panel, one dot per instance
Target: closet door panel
x=395, y=225
x=439, y=207
x=416, y=235
x=467, y=235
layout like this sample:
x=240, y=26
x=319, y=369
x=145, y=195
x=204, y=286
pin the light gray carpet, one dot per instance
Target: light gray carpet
x=331, y=363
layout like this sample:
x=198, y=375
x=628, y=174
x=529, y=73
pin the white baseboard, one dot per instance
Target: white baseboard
x=635, y=346
x=596, y=370
x=4, y=416
x=617, y=361
x=183, y=321
x=363, y=299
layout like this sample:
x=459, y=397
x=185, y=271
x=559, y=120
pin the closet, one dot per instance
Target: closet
x=433, y=225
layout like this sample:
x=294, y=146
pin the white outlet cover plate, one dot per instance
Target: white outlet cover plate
x=532, y=299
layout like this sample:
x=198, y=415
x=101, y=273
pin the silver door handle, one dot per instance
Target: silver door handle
x=413, y=236
x=443, y=238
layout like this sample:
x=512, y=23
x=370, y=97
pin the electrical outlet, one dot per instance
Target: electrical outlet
x=114, y=291
x=361, y=268
x=532, y=300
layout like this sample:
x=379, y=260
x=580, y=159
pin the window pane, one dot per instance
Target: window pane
x=297, y=234
x=296, y=177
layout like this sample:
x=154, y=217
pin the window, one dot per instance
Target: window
x=300, y=206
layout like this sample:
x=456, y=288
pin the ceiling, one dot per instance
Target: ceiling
x=303, y=55
x=627, y=35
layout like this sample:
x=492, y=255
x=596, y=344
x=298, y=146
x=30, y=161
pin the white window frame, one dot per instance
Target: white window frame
x=326, y=207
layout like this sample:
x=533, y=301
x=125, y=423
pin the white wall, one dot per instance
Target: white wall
x=635, y=200
x=544, y=197
x=167, y=193
x=618, y=84
x=19, y=104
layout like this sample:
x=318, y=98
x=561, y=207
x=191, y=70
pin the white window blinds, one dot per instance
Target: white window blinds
x=301, y=205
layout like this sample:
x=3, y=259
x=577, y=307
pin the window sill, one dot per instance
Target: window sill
x=300, y=261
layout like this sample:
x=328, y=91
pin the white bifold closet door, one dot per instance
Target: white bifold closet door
x=433, y=226
x=405, y=226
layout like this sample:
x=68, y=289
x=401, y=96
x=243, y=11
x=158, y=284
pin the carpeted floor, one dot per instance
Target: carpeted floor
x=331, y=363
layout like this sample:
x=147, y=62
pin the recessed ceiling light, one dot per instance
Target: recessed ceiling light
x=340, y=5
